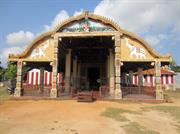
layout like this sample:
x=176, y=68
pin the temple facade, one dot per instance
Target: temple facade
x=87, y=52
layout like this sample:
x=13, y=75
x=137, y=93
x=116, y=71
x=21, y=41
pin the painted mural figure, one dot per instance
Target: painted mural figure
x=39, y=52
x=136, y=52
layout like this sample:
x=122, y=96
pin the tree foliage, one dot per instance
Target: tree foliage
x=10, y=71
x=174, y=66
x=1, y=73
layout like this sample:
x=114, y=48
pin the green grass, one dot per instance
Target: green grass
x=130, y=127
x=116, y=113
x=174, y=111
x=3, y=94
x=135, y=128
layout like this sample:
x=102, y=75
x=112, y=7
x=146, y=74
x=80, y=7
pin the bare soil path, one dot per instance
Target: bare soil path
x=71, y=117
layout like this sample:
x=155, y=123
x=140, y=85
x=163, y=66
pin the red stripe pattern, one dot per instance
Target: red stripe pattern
x=150, y=80
x=33, y=77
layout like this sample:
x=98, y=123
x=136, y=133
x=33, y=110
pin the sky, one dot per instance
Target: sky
x=157, y=21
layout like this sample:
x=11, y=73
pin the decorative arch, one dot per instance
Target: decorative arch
x=31, y=45
x=97, y=18
x=88, y=15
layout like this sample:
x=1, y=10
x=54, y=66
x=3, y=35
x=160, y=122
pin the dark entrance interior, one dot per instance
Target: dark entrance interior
x=91, y=53
x=93, y=49
x=93, y=76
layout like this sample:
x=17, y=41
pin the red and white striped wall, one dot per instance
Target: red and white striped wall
x=33, y=77
x=150, y=80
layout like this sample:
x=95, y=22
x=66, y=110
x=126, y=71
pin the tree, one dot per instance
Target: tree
x=1, y=72
x=174, y=66
x=10, y=71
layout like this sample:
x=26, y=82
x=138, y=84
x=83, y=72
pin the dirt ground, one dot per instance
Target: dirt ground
x=71, y=117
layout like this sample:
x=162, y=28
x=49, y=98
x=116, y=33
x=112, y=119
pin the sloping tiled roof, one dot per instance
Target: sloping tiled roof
x=163, y=71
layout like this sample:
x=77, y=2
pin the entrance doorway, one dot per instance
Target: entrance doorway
x=93, y=76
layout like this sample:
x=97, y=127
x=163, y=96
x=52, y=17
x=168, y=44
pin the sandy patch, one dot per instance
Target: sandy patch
x=71, y=117
x=154, y=120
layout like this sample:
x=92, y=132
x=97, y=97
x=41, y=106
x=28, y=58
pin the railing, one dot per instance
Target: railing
x=138, y=90
x=103, y=91
x=34, y=90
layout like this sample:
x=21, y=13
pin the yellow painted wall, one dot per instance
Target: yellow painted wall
x=42, y=51
x=132, y=50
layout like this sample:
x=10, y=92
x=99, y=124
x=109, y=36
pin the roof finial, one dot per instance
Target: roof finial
x=86, y=13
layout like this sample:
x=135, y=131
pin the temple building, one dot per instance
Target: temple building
x=88, y=52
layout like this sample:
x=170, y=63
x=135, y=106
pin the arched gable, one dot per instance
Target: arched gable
x=39, y=49
x=90, y=16
x=100, y=20
x=135, y=50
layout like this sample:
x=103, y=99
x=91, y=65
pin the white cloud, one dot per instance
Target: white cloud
x=11, y=50
x=19, y=38
x=153, y=40
x=141, y=15
x=78, y=12
x=60, y=17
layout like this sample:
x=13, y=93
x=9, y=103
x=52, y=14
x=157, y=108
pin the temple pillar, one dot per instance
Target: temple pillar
x=79, y=75
x=41, y=88
x=158, y=86
x=68, y=71
x=75, y=72
x=140, y=79
x=111, y=73
x=53, y=93
x=131, y=77
x=130, y=80
x=107, y=71
x=118, y=92
x=18, y=90
x=123, y=77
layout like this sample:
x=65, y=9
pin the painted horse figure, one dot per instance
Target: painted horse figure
x=136, y=52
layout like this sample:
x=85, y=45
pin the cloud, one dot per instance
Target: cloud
x=11, y=50
x=140, y=16
x=60, y=17
x=19, y=38
x=156, y=21
x=78, y=12
x=17, y=41
x=153, y=40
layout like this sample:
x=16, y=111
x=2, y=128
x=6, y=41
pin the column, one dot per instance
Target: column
x=118, y=93
x=53, y=93
x=68, y=71
x=107, y=71
x=41, y=89
x=18, y=89
x=111, y=73
x=140, y=79
x=123, y=78
x=158, y=86
x=130, y=80
x=79, y=75
x=131, y=77
x=75, y=72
